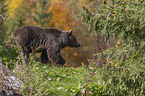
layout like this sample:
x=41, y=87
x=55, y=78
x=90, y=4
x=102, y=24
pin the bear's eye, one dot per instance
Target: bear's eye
x=72, y=38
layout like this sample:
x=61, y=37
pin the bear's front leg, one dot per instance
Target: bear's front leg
x=55, y=57
x=60, y=60
x=44, y=58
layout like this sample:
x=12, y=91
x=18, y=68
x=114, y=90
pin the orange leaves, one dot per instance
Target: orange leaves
x=57, y=1
x=12, y=5
x=53, y=13
x=61, y=16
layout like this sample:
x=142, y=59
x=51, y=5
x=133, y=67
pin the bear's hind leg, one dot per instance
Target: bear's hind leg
x=25, y=53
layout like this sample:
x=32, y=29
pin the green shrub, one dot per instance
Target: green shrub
x=123, y=73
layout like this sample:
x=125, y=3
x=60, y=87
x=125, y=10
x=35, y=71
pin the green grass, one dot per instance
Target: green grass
x=47, y=80
x=51, y=80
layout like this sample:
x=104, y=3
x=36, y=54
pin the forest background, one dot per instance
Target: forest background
x=111, y=61
x=50, y=14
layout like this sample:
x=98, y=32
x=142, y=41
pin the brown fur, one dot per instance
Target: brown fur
x=51, y=40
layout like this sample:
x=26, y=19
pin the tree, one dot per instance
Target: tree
x=40, y=14
x=124, y=60
x=51, y=13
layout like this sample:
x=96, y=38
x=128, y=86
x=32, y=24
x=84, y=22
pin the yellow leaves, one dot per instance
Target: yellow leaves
x=116, y=46
x=108, y=60
x=112, y=63
x=134, y=55
x=91, y=64
x=125, y=50
x=90, y=0
x=115, y=11
x=91, y=61
x=112, y=14
x=108, y=18
x=57, y=1
x=12, y=5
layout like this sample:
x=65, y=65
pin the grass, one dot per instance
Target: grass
x=44, y=79
x=49, y=80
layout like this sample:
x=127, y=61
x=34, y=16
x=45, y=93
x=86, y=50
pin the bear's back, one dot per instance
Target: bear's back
x=45, y=30
x=36, y=29
x=28, y=30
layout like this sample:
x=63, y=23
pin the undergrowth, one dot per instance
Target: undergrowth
x=39, y=79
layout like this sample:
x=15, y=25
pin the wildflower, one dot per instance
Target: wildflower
x=115, y=65
x=116, y=46
x=82, y=63
x=88, y=60
x=115, y=11
x=93, y=62
x=91, y=67
x=125, y=50
x=108, y=18
x=118, y=42
x=113, y=5
x=112, y=14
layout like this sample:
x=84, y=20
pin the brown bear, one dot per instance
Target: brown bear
x=52, y=41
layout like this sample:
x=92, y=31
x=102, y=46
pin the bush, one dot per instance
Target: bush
x=123, y=73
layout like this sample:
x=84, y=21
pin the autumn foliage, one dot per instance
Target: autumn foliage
x=51, y=13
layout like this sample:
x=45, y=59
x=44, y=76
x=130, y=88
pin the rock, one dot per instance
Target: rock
x=9, y=93
x=10, y=85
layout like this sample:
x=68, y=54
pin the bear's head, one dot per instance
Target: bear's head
x=69, y=39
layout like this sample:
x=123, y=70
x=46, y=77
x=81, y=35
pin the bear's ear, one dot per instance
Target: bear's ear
x=69, y=32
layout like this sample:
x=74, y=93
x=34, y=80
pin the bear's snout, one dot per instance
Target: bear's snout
x=77, y=45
